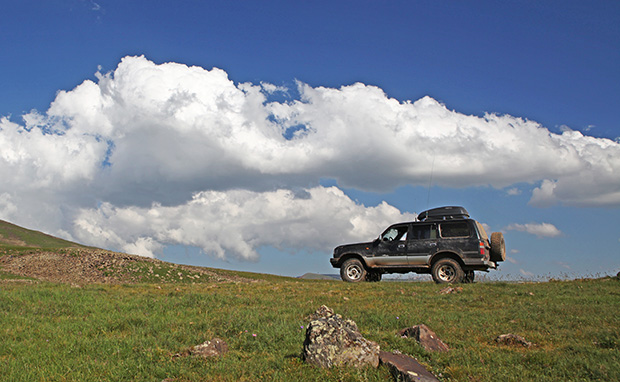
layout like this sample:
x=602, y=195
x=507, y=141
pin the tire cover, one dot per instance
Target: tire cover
x=498, y=247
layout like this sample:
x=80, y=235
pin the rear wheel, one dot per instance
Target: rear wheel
x=447, y=271
x=374, y=276
x=353, y=271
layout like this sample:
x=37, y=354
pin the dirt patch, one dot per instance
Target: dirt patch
x=85, y=266
x=12, y=241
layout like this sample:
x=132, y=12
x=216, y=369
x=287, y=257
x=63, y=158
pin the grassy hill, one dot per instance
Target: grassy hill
x=132, y=329
x=32, y=255
x=13, y=236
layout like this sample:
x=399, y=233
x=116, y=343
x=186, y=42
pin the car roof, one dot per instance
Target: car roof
x=433, y=221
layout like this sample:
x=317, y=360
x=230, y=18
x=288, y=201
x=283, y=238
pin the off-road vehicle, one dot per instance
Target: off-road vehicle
x=443, y=241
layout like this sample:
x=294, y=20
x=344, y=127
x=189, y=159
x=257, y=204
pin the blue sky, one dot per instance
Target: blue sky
x=118, y=132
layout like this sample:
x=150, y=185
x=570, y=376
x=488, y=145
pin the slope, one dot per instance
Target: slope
x=13, y=236
x=29, y=254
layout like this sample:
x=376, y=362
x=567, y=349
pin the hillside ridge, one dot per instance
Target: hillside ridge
x=12, y=235
x=35, y=255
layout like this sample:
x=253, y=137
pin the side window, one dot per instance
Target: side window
x=423, y=231
x=395, y=233
x=455, y=229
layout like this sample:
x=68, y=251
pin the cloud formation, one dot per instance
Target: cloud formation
x=539, y=229
x=153, y=154
x=236, y=223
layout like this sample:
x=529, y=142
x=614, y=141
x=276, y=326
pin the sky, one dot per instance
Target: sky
x=258, y=136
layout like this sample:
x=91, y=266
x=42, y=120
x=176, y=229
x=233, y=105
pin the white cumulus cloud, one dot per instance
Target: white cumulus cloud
x=538, y=229
x=238, y=222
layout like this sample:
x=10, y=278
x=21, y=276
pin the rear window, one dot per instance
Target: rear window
x=482, y=232
x=455, y=229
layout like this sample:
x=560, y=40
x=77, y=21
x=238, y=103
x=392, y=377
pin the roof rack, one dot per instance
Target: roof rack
x=444, y=213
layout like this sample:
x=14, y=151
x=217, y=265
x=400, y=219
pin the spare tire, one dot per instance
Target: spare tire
x=498, y=247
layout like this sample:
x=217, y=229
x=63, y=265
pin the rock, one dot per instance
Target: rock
x=208, y=349
x=334, y=341
x=448, y=290
x=322, y=312
x=425, y=337
x=214, y=348
x=405, y=368
x=513, y=339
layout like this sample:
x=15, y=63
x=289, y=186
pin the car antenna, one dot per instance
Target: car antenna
x=430, y=182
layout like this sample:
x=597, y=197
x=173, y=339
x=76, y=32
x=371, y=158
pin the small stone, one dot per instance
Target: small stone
x=208, y=349
x=425, y=337
x=512, y=339
x=449, y=290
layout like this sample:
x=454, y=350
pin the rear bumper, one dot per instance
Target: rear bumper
x=479, y=264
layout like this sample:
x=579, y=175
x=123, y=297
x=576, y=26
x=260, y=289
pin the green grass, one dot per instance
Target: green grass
x=10, y=276
x=55, y=332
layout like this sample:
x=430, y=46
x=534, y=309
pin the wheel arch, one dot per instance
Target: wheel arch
x=348, y=256
x=447, y=255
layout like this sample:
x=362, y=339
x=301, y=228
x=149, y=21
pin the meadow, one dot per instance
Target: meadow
x=132, y=332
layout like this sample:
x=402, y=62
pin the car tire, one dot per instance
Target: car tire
x=353, y=271
x=469, y=277
x=447, y=271
x=374, y=276
x=498, y=247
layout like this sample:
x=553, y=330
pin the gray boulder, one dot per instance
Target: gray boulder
x=334, y=341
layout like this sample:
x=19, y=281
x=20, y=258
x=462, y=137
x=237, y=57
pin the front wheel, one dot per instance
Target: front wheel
x=447, y=271
x=353, y=271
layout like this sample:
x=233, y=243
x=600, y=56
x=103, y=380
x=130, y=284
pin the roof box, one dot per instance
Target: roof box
x=444, y=213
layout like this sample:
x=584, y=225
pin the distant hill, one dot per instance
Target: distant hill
x=317, y=276
x=13, y=236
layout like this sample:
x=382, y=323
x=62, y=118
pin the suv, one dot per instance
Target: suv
x=443, y=241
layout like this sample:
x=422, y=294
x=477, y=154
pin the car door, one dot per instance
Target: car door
x=392, y=246
x=422, y=243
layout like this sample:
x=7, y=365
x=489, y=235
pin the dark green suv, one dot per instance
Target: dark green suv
x=444, y=242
